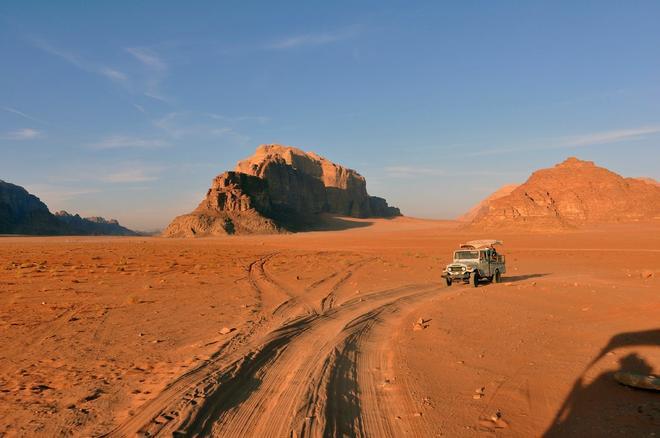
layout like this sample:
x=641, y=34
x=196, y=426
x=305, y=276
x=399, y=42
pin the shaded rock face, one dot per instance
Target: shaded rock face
x=279, y=188
x=307, y=183
x=24, y=213
x=92, y=226
x=570, y=194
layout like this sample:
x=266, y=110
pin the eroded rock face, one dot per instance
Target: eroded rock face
x=483, y=205
x=279, y=188
x=92, y=226
x=24, y=213
x=310, y=184
x=572, y=193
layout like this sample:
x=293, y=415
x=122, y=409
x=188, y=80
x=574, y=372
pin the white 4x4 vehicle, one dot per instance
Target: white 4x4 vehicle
x=475, y=261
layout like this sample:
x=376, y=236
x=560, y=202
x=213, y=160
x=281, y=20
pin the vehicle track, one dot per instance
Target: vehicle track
x=296, y=377
x=266, y=392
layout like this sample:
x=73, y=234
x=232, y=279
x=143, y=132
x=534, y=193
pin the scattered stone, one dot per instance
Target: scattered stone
x=420, y=324
x=495, y=421
x=226, y=330
x=646, y=274
x=96, y=393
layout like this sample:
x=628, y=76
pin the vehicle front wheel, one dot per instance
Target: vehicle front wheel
x=475, y=279
x=448, y=281
x=497, y=277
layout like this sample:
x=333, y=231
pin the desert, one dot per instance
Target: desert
x=265, y=336
x=329, y=219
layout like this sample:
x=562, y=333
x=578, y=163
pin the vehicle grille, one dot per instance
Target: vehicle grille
x=456, y=268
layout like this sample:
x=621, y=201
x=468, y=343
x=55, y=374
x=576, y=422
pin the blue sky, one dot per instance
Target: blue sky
x=129, y=109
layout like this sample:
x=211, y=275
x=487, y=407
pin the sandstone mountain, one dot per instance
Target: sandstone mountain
x=572, y=194
x=279, y=188
x=24, y=213
x=483, y=205
x=649, y=181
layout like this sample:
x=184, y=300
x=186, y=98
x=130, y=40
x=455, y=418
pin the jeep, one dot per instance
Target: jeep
x=474, y=262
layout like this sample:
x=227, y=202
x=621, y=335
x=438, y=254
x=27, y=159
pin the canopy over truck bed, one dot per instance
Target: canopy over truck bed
x=479, y=244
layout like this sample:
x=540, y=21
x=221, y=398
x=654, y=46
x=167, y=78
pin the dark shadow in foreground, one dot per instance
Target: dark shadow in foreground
x=606, y=408
x=335, y=223
x=515, y=278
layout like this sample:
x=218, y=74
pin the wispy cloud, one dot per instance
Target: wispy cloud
x=578, y=141
x=182, y=124
x=412, y=171
x=155, y=71
x=314, y=39
x=139, y=108
x=147, y=57
x=409, y=171
x=238, y=119
x=77, y=61
x=133, y=173
x=54, y=194
x=22, y=134
x=22, y=114
x=123, y=142
x=606, y=137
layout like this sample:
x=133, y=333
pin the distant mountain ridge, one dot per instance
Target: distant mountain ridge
x=279, y=188
x=572, y=194
x=23, y=213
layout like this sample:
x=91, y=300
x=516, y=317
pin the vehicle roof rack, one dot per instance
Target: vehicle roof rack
x=479, y=244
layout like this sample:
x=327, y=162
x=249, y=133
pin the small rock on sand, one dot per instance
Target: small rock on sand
x=226, y=330
x=646, y=274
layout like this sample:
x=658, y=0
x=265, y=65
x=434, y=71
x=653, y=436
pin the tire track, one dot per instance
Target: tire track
x=289, y=396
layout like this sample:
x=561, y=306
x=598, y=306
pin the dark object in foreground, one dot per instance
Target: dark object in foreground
x=639, y=381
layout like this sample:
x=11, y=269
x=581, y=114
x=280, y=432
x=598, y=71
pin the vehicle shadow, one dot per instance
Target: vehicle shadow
x=603, y=407
x=515, y=278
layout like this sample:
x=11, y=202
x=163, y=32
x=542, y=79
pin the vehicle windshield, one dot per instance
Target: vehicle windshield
x=466, y=255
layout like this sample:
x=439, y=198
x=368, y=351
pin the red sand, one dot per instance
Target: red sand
x=126, y=334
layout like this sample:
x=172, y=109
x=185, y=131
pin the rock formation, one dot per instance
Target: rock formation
x=24, y=213
x=571, y=194
x=92, y=226
x=279, y=188
x=648, y=180
x=483, y=205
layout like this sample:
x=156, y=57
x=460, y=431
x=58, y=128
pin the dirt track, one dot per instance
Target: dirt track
x=296, y=372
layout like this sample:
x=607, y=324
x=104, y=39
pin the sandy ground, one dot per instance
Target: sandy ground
x=314, y=334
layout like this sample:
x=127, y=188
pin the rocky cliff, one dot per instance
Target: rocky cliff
x=24, y=213
x=571, y=194
x=92, y=226
x=279, y=188
x=483, y=205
